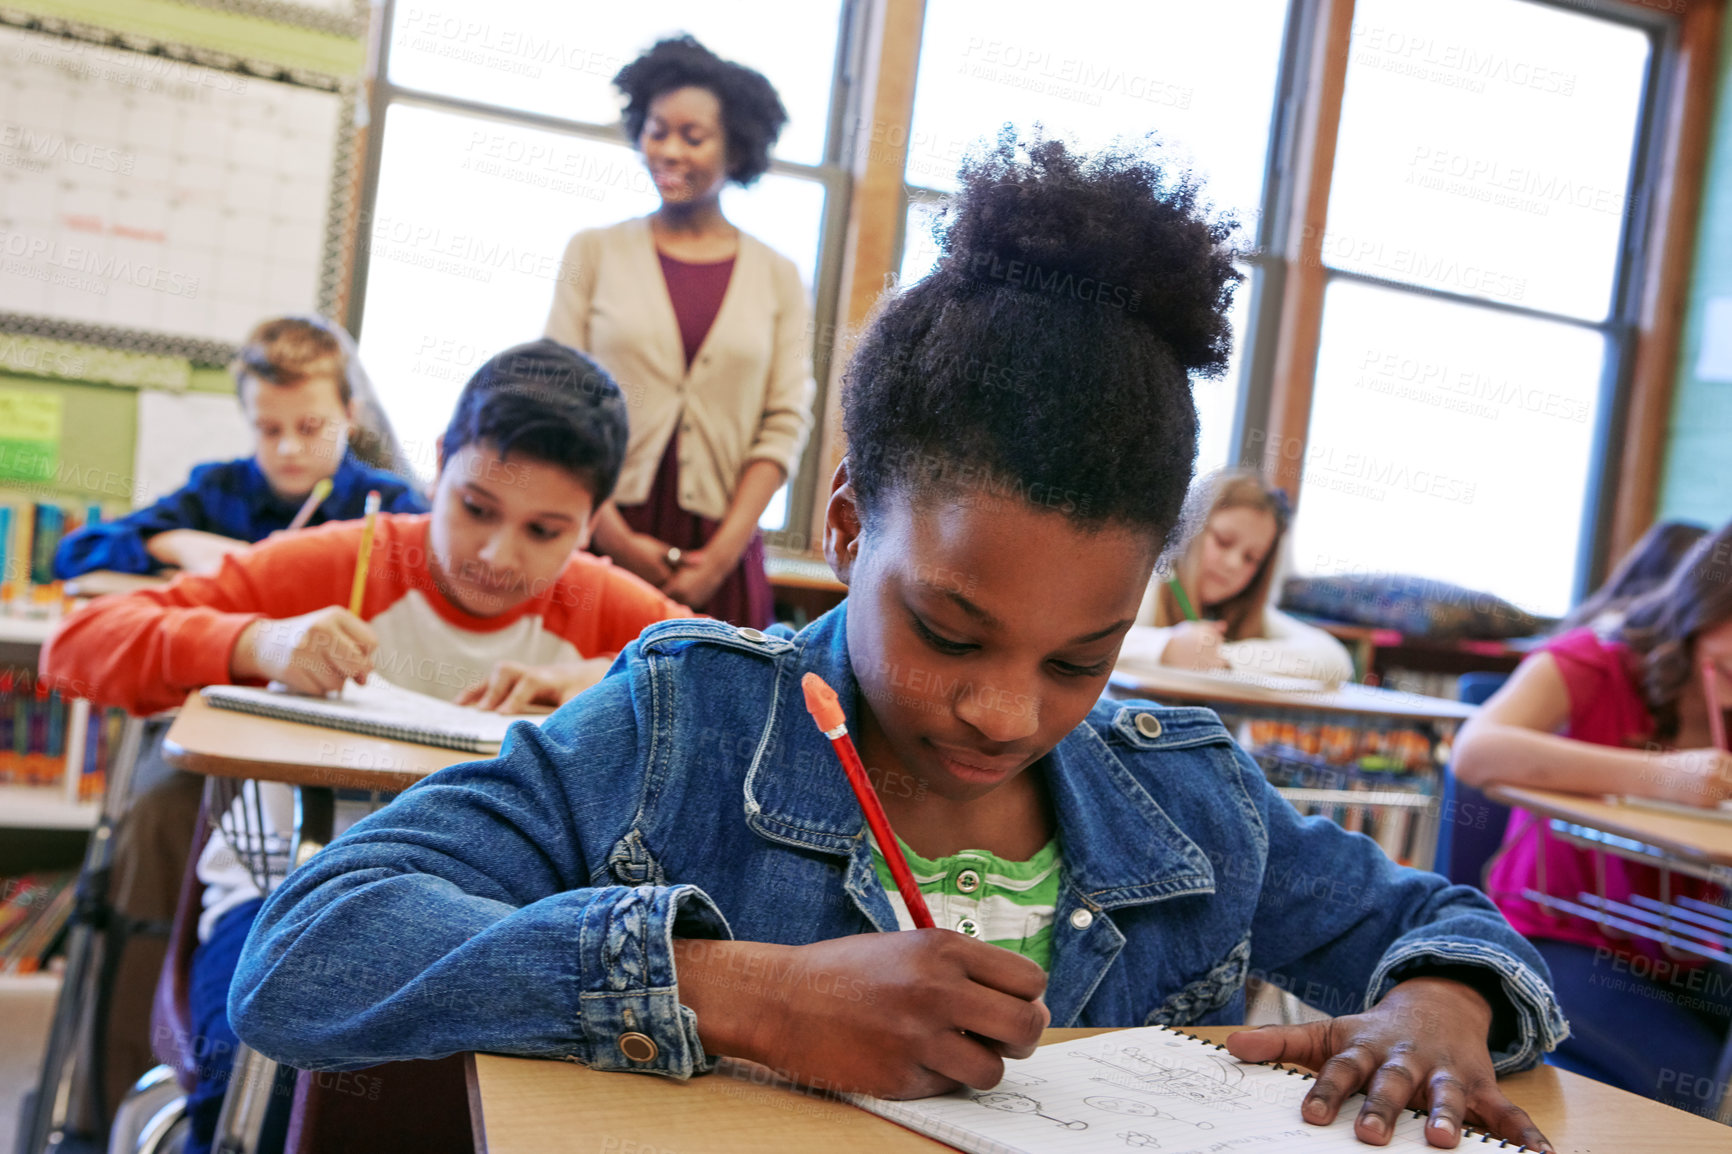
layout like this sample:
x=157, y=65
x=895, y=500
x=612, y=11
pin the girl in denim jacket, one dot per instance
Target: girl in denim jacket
x=672, y=868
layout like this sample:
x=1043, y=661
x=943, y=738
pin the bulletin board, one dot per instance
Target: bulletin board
x=163, y=199
x=344, y=17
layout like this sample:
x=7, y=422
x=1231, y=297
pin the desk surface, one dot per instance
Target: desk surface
x=226, y=743
x=522, y=1106
x=1186, y=686
x=1702, y=840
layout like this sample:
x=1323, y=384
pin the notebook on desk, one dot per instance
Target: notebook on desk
x=377, y=709
x=1149, y=1088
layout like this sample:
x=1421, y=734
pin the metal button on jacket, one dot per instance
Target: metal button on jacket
x=753, y=636
x=638, y=1047
x=1082, y=919
x=1148, y=725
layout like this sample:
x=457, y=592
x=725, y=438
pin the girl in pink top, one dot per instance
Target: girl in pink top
x=1624, y=713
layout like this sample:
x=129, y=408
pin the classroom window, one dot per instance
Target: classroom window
x=1202, y=77
x=1479, y=219
x=500, y=139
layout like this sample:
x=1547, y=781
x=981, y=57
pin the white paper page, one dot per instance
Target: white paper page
x=1145, y=1088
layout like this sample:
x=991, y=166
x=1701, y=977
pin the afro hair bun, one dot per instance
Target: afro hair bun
x=1115, y=229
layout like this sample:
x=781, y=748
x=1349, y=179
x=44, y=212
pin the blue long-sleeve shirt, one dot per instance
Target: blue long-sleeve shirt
x=232, y=499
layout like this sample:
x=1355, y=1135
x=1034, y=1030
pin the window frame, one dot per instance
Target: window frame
x=1620, y=326
x=831, y=172
x=1261, y=257
x=1276, y=374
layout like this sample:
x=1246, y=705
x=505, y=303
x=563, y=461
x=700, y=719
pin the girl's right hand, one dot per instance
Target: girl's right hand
x=1695, y=777
x=896, y=1015
x=1196, y=645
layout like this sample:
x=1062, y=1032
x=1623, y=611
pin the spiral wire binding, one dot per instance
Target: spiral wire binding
x=1467, y=1132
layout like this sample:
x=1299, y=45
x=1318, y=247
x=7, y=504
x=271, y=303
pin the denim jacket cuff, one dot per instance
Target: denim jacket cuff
x=630, y=1016
x=1542, y=1024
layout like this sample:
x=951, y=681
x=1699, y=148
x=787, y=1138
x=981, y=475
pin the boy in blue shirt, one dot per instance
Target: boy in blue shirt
x=294, y=378
x=673, y=868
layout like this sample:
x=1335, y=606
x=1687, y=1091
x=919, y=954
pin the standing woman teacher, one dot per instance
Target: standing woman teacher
x=706, y=330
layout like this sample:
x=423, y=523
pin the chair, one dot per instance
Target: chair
x=171, y=1032
x=152, y=1113
x=1471, y=827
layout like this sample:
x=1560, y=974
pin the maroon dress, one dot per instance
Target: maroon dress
x=744, y=597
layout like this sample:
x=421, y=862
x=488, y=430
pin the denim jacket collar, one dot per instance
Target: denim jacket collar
x=1120, y=847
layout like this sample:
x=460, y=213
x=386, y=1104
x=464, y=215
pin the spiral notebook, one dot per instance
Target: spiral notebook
x=1147, y=1088
x=378, y=709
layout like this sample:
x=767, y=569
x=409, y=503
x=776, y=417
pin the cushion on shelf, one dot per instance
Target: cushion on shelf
x=1416, y=606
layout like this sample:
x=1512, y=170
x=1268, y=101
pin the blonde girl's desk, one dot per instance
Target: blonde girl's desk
x=1281, y=696
x=523, y=1106
x=1407, y=822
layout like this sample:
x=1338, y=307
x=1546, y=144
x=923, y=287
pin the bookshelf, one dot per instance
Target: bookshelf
x=45, y=807
x=31, y=631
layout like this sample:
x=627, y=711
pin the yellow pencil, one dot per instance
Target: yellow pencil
x=366, y=557
x=312, y=503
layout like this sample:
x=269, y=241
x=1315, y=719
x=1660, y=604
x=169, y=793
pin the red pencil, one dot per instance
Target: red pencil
x=826, y=710
x=1711, y=690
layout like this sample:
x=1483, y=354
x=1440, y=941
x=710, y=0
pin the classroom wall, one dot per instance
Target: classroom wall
x=99, y=387
x=1697, y=481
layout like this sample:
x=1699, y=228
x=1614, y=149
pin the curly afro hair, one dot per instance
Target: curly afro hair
x=752, y=113
x=1048, y=354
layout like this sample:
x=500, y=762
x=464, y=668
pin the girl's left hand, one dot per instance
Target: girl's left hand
x=700, y=574
x=1423, y=1045
x=513, y=687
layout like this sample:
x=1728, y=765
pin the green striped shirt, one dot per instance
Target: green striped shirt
x=1007, y=903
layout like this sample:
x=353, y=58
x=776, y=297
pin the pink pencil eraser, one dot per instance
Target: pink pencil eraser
x=821, y=701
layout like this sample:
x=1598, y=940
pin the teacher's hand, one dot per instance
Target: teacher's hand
x=647, y=557
x=700, y=574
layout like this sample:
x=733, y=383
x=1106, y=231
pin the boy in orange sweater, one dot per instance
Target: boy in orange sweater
x=489, y=600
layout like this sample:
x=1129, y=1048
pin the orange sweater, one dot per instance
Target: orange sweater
x=146, y=651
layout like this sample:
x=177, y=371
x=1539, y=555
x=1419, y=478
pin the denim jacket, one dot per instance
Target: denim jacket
x=527, y=905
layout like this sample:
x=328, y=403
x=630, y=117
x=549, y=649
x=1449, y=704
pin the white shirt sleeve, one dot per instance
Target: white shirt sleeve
x=1291, y=649
x=1143, y=646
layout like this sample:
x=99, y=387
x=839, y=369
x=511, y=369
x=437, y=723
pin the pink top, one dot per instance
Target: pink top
x=1606, y=708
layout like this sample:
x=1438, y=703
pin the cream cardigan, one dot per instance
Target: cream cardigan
x=748, y=394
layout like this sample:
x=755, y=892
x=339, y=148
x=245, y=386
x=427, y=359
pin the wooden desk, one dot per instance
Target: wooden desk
x=1700, y=841
x=1189, y=687
x=521, y=1106
x=227, y=743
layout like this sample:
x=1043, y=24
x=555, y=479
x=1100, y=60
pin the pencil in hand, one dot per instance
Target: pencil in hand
x=321, y=490
x=359, y=588
x=826, y=710
x=1182, y=599
x=1711, y=690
